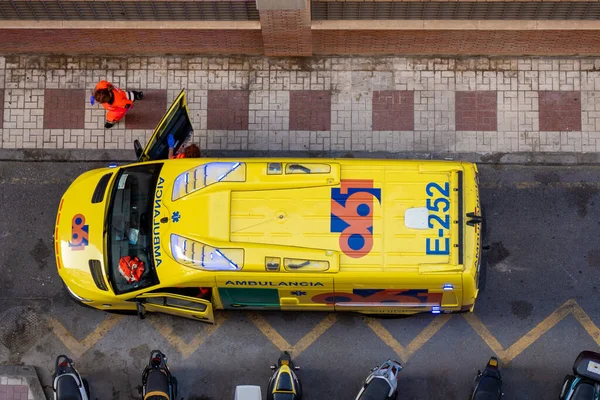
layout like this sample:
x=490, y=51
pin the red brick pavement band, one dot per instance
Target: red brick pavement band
x=476, y=111
x=14, y=392
x=228, y=109
x=64, y=108
x=147, y=113
x=393, y=110
x=310, y=110
x=560, y=111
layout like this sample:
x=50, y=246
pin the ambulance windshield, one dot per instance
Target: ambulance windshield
x=128, y=228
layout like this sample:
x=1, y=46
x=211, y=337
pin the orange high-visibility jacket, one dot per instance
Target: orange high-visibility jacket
x=123, y=100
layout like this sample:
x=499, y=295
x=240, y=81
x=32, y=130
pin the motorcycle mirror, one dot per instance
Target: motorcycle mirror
x=138, y=148
x=273, y=367
x=141, y=311
x=296, y=368
x=374, y=368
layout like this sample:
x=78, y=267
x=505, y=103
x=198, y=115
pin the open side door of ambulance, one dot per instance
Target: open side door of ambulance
x=176, y=121
x=175, y=304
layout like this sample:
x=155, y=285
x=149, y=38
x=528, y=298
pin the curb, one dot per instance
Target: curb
x=128, y=156
x=28, y=373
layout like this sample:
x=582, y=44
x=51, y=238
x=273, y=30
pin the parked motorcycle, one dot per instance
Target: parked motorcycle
x=584, y=384
x=382, y=382
x=488, y=384
x=157, y=381
x=284, y=384
x=67, y=383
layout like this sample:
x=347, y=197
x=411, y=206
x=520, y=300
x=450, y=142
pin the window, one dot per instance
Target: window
x=129, y=224
x=176, y=303
x=180, y=303
x=207, y=174
x=202, y=256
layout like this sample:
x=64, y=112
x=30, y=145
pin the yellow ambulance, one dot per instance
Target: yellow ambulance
x=187, y=236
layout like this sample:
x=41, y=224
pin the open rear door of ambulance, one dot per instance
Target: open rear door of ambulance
x=176, y=121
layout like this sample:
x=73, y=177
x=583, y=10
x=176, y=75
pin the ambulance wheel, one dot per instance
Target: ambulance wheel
x=141, y=311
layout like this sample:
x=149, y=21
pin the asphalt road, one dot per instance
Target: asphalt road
x=543, y=279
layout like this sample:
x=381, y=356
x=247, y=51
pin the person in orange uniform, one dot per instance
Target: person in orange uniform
x=116, y=101
x=189, y=151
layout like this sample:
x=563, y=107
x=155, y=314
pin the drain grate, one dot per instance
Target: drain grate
x=21, y=328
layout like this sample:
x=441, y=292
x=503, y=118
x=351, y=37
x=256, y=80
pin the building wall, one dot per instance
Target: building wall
x=291, y=32
x=125, y=42
x=456, y=42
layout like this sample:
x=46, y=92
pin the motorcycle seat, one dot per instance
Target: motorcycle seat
x=285, y=382
x=156, y=384
x=67, y=388
x=583, y=391
x=378, y=389
x=488, y=389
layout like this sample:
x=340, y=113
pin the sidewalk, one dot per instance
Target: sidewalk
x=335, y=104
x=20, y=383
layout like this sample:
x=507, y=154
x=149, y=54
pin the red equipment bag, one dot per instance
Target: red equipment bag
x=131, y=268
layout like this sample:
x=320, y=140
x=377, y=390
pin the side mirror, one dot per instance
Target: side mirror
x=374, y=368
x=273, y=367
x=141, y=311
x=296, y=368
x=138, y=148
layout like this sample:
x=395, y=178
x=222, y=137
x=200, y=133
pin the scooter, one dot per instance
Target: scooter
x=584, y=384
x=284, y=384
x=382, y=382
x=157, y=381
x=67, y=384
x=488, y=384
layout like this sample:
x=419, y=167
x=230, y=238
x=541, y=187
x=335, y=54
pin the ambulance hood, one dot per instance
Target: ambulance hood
x=78, y=234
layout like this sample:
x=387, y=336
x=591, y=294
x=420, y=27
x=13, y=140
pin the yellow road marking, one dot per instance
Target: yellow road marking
x=283, y=344
x=586, y=322
x=78, y=348
x=185, y=349
x=423, y=337
x=570, y=307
